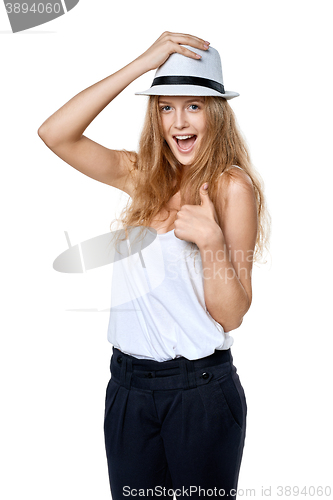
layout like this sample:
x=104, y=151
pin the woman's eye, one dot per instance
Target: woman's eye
x=194, y=106
x=165, y=108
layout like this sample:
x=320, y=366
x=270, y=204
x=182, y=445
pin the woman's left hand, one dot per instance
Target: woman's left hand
x=198, y=223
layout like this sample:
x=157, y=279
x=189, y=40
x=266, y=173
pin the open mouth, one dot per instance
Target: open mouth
x=185, y=143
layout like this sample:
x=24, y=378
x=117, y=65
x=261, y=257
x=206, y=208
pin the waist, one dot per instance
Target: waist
x=179, y=373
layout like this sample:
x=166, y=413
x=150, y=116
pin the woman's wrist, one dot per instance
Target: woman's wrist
x=141, y=64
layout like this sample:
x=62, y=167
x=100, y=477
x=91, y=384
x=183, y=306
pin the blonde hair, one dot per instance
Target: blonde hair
x=159, y=175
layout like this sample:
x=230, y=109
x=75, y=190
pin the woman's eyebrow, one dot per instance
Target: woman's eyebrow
x=194, y=99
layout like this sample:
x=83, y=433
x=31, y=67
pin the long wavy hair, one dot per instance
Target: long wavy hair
x=159, y=175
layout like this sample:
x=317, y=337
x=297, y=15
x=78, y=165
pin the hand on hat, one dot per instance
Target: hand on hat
x=198, y=223
x=167, y=44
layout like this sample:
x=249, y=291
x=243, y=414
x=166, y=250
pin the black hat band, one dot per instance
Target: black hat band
x=189, y=80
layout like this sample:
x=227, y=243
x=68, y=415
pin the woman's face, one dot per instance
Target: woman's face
x=183, y=124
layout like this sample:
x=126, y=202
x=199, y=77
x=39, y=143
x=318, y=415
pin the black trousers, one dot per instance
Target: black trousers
x=174, y=427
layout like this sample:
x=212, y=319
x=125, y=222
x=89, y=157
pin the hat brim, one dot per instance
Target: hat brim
x=184, y=90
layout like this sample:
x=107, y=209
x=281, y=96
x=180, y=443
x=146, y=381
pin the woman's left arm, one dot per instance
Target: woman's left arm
x=227, y=251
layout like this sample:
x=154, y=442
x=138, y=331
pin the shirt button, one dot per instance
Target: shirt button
x=205, y=375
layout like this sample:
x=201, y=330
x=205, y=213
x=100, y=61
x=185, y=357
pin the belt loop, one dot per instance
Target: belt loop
x=126, y=372
x=188, y=373
x=191, y=375
x=185, y=381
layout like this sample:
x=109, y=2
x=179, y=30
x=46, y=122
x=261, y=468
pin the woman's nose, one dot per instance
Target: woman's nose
x=180, y=119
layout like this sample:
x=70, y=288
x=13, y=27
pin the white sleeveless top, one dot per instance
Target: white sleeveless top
x=158, y=308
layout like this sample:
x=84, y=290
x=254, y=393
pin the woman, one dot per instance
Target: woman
x=175, y=410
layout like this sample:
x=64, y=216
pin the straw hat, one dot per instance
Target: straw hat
x=182, y=75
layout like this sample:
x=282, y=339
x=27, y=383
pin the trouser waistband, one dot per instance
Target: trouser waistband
x=178, y=373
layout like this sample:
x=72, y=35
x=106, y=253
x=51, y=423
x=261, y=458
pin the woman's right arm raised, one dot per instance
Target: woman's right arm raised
x=63, y=131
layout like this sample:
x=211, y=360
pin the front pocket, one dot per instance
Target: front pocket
x=232, y=400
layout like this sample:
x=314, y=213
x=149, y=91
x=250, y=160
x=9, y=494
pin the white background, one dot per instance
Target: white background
x=55, y=362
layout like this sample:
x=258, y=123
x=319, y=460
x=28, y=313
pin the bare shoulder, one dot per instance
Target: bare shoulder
x=234, y=184
x=236, y=206
x=236, y=178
